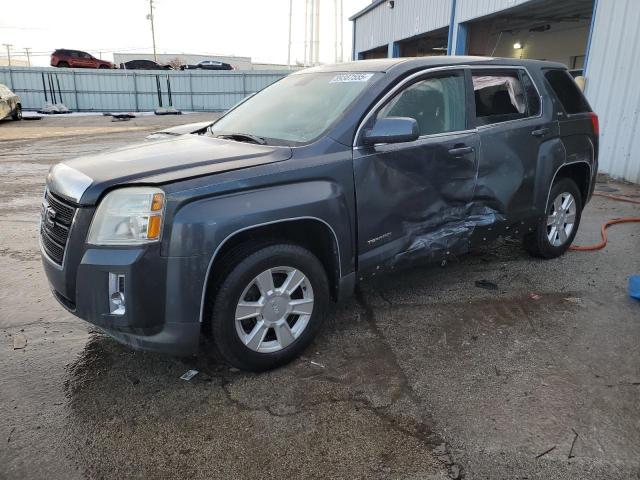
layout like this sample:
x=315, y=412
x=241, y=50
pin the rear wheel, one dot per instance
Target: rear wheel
x=269, y=306
x=557, y=229
x=63, y=65
x=17, y=113
x=103, y=66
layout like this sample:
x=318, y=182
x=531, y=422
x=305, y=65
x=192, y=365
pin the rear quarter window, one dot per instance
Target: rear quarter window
x=567, y=91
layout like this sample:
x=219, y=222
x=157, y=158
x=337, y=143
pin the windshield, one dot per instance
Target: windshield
x=297, y=109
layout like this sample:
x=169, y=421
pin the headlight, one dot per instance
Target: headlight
x=128, y=216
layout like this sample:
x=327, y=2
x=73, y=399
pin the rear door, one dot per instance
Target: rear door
x=413, y=199
x=512, y=129
x=85, y=60
x=577, y=122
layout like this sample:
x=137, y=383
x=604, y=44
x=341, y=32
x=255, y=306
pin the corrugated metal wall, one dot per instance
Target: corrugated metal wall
x=472, y=9
x=613, y=72
x=613, y=68
x=383, y=25
x=124, y=91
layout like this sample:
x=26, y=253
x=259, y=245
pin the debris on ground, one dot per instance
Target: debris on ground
x=486, y=284
x=19, y=342
x=189, y=374
x=634, y=286
x=534, y=296
x=317, y=364
x=546, y=451
x=167, y=111
x=122, y=117
x=51, y=109
x=573, y=444
x=576, y=300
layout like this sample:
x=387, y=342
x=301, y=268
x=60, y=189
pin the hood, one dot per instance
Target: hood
x=179, y=130
x=82, y=180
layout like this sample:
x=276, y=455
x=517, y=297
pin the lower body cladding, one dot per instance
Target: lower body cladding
x=136, y=296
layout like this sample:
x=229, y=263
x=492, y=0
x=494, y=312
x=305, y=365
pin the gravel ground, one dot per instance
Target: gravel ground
x=421, y=375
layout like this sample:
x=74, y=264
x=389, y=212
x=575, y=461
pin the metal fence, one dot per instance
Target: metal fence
x=85, y=90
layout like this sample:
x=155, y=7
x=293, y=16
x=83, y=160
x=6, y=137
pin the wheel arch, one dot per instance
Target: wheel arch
x=309, y=232
x=580, y=172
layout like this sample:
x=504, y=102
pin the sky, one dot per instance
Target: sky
x=252, y=28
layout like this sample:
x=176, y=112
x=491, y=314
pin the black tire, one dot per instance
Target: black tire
x=102, y=67
x=537, y=243
x=63, y=65
x=240, y=268
x=17, y=113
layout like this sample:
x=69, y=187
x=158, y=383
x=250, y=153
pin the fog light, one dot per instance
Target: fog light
x=116, y=294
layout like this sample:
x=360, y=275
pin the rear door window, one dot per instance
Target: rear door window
x=437, y=104
x=567, y=91
x=499, y=97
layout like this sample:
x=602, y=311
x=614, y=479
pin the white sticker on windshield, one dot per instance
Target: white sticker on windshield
x=351, y=77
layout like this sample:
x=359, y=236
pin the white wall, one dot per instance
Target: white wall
x=558, y=44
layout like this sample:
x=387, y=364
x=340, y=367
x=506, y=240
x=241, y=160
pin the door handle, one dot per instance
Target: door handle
x=460, y=151
x=540, y=132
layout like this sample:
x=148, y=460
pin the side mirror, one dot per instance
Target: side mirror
x=392, y=130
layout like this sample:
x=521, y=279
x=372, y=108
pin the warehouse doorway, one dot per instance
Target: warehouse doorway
x=542, y=30
x=430, y=44
x=380, y=52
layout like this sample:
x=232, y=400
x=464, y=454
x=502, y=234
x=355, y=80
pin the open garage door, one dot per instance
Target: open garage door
x=380, y=52
x=543, y=30
x=430, y=44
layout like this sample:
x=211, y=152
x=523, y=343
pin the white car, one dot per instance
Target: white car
x=9, y=104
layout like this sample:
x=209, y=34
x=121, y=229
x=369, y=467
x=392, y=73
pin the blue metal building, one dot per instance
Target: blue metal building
x=601, y=38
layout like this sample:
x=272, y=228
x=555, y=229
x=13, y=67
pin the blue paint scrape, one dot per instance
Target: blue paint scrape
x=634, y=286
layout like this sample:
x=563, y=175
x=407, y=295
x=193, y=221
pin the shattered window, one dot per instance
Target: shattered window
x=437, y=104
x=499, y=98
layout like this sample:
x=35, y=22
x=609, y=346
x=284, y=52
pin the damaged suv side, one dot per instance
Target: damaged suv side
x=246, y=231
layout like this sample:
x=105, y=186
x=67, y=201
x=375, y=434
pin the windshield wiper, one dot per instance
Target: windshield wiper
x=243, y=137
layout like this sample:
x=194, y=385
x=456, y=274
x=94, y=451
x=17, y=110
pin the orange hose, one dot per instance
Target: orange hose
x=603, y=229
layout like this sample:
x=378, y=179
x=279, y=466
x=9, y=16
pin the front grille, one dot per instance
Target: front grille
x=57, y=216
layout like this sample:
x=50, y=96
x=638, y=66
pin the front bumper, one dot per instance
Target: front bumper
x=159, y=297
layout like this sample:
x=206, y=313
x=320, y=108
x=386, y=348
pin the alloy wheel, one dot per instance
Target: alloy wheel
x=274, y=309
x=561, y=219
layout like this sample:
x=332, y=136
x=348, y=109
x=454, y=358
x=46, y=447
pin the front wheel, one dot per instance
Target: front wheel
x=269, y=306
x=17, y=113
x=557, y=229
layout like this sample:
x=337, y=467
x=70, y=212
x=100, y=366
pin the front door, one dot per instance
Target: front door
x=414, y=198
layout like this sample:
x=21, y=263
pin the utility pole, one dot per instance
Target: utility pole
x=8, y=52
x=306, y=32
x=153, y=32
x=341, y=30
x=26, y=50
x=316, y=32
x=336, y=21
x=290, y=21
